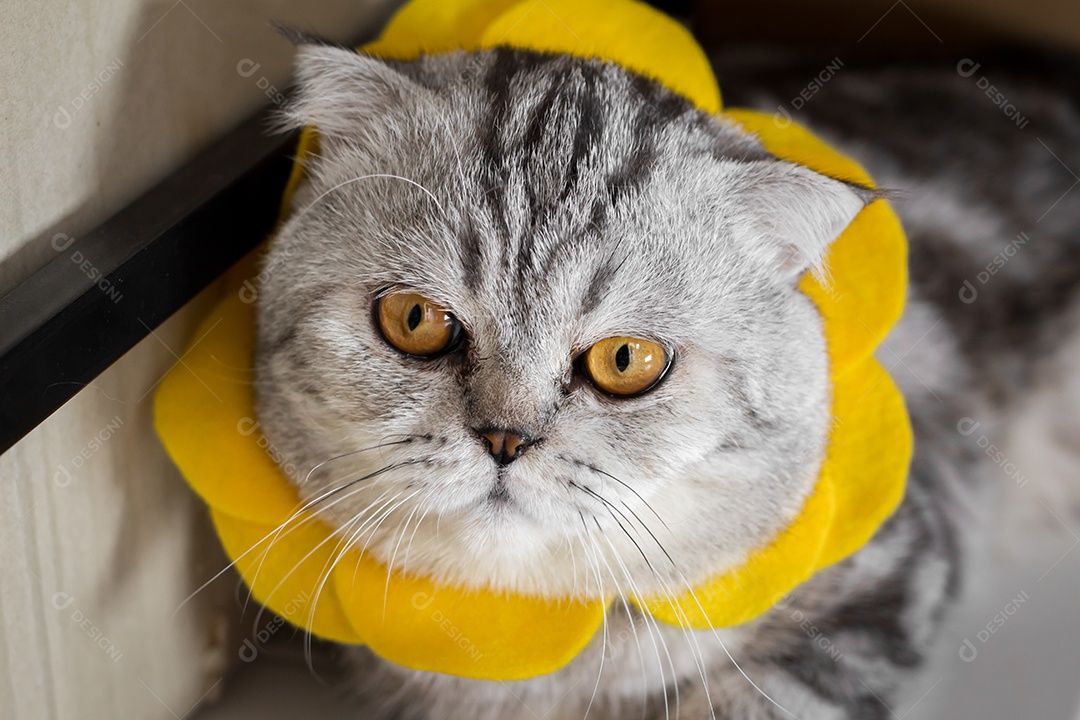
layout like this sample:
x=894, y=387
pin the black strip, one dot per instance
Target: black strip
x=106, y=290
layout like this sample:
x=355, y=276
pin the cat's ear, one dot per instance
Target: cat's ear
x=791, y=214
x=348, y=96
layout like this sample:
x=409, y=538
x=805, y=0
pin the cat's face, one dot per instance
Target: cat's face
x=472, y=227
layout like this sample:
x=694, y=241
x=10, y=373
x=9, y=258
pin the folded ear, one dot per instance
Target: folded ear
x=348, y=96
x=791, y=214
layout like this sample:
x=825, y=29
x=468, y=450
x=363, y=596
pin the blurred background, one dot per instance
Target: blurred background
x=100, y=539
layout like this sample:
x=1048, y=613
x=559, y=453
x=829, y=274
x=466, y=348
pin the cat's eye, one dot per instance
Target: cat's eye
x=416, y=325
x=625, y=366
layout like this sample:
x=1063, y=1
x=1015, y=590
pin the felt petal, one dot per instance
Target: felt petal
x=289, y=571
x=866, y=267
x=204, y=413
x=477, y=634
x=433, y=26
x=869, y=454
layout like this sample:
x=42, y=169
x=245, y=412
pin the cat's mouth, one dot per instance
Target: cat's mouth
x=499, y=495
x=500, y=500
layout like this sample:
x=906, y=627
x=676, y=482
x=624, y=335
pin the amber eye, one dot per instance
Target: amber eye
x=625, y=365
x=415, y=325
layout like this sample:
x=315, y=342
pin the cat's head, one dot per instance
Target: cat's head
x=436, y=321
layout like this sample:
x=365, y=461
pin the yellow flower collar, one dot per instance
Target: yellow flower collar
x=205, y=410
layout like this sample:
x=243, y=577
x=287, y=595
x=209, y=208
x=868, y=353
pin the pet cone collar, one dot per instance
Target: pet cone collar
x=205, y=409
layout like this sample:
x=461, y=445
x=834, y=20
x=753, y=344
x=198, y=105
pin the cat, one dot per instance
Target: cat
x=533, y=205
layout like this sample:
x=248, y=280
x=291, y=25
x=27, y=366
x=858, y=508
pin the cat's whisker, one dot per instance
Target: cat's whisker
x=289, y=574
x=388, y=513
x=279, y=531
x=605, y=638
x=573, y=565
x=405, y=560
x=344, y=546
x=335, y=557
x=611, y=511
x=283, y=531
x=727, y=652
x=691, y=638
x=654, y=632
x=370, y=176
x=604, y=473
x=377, y=513
x=393, y=556
x=404, y=441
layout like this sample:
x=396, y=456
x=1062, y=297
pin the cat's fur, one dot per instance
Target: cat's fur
x=551, y=202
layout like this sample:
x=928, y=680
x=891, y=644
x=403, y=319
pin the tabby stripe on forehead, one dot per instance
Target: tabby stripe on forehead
x=587, y=137
x=505, y=66
x=472, y=256
x=530, y=160
x=658, y=108
x=589, y=130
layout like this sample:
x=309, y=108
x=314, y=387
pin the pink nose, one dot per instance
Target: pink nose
x=505, y=446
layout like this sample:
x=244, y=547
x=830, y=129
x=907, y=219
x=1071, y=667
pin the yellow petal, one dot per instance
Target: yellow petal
x=204, y=413
x=477, y=634
x=869, y=455
x=434, y=26
x=289, y=571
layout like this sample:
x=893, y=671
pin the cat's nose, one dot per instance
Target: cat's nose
x=505, y=446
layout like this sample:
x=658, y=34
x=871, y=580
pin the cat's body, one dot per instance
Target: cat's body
x=847, y=643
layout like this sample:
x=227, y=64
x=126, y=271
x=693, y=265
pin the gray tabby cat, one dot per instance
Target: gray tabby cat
x=547, y=203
